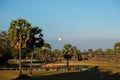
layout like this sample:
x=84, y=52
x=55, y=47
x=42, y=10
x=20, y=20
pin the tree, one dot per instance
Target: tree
x=79, y=55
x=19, y=33
x=5, y=53
x=90, y=53
x=47, y=46
x=5, y=42
x=99, y=54
x=35, y=41
x=67, y=50
x=4, y=37
x=47, y=51
x=109, y=53
x=117, y=51
x=75, y=53
x=5, y=50
x=117, y=47
x=57, y=54
x=35, y=38
x=44, y=52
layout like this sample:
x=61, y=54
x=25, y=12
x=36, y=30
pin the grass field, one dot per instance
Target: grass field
x=98, y=70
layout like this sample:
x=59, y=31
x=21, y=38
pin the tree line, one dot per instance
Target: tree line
x=24, y=41
x=21, y=29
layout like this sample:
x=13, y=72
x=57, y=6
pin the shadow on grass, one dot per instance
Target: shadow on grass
x=91, y=74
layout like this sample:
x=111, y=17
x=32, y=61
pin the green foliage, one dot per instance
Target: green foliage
x=5, y=54
x=15, y=53
x=117, y=47
x=98, y=51
x=30, y=37
x=45, y=53
x=19, y=30
x=36, y=38
x=4, y=37
x=5, y=49
x=47, y=46
x=109, y=51
x=67, y=56
x=57, y=53
x=67, y=49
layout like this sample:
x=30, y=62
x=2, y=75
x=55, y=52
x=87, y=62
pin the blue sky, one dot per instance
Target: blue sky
x=82, y=23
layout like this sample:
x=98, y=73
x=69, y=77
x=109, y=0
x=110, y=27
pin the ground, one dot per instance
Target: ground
x=100, y=70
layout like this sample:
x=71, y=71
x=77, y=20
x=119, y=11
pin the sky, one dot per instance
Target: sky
x=86, y=24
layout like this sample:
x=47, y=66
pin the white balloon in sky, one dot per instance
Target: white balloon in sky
x=59, y=39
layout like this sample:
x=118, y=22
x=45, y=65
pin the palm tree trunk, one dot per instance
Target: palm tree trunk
x=32, y=59
x=31, y=63
x=20, y=65
x=67, y=63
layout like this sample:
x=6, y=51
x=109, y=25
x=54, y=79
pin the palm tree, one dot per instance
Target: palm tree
x=19, y=35
x=35, y=41
x=67, y=50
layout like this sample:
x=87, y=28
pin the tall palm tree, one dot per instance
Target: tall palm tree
x=19, y=35
x=35, y=41
x=67, y=50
